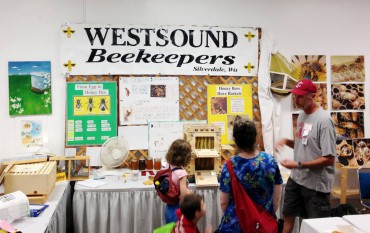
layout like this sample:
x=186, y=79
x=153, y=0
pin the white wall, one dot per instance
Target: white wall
x=29, y=31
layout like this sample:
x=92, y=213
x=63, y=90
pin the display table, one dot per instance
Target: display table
x=361, y=221
x=52, y=219
x=327, y=225
x=130, y=206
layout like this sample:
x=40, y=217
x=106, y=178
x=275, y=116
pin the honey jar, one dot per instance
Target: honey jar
x=142, y=164
x=157, y=163
x=149, y=164
x=134, y=164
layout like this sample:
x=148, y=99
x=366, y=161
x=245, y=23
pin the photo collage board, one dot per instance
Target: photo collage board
x=346, y=102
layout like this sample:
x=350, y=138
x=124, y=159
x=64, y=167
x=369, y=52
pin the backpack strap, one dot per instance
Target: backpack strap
x=176, y=168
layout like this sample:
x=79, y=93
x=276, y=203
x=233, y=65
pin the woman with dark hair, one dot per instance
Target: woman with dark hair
x=256, y=170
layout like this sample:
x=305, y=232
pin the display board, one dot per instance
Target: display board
x=225, y=104
x=91, y=113
x=163, y=133
x=145, y=99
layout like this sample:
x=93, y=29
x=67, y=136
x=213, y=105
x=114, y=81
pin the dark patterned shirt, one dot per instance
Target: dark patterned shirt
x=258, y=176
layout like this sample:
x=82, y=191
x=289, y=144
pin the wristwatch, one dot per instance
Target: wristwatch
x=300, y=165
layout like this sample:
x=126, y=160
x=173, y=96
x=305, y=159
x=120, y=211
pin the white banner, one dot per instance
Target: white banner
x=166, y=50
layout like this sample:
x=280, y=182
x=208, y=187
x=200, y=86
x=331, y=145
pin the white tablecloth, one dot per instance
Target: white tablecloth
x=52, y=219
x=361, y=221
x=131, y=207
x=327, y=225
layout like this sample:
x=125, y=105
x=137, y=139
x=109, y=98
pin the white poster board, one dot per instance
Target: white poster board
x=143, y=99
x=135, y=135
x=163, y=133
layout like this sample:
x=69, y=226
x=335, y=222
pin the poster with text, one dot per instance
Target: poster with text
x=29, y=88
x=224, y=101
x=163, y=133
x=145, y=99
x=91, y=113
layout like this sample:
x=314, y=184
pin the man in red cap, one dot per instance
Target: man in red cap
x=307, y=192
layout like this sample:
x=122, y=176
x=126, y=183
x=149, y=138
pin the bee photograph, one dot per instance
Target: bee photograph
x=157, y=90
x=347, y=69
x=348, y=125
x=311, y=67
x=345, y=153
x=218, y=105
x=348, y=96
x=362, y=151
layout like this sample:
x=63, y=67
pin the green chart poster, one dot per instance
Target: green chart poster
x=91, y=113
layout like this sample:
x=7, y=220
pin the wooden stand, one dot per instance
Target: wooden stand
x=72, y=168
x=343, y=192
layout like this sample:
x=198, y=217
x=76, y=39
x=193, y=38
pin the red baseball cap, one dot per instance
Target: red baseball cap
x=303, y=87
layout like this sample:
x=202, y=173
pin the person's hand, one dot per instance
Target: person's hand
x=288, y=163
x=208, y=229
x=279, y=144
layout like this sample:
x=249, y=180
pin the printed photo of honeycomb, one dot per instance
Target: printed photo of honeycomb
x=362, y=151
x=348, y=125
x=347, y=96
x=321, y=96
x=218, y=105
x=347, y=69
x=310, y=66
x=345, y=153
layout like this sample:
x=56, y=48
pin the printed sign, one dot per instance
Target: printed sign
x=91, y=113
x=166, y=50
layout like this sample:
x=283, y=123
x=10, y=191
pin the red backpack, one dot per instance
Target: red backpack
x=252, y=217
x=166, y=189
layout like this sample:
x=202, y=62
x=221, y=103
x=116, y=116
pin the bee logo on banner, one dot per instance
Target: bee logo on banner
x=165, y=50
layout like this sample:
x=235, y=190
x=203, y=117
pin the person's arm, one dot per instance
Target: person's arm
x=320, y=162
x=224, y=200
x=284, y=141
x=277, y=196
x=183, y=187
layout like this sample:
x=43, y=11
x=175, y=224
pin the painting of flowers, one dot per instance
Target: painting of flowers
x=29, y=88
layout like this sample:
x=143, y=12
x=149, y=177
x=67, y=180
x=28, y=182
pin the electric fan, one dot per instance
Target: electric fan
x=112, y=154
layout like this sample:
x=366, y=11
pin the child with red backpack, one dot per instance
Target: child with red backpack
x=178, y=157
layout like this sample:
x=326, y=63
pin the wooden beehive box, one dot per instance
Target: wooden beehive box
x=73, y=166
x=35, y=179
x=205, y=141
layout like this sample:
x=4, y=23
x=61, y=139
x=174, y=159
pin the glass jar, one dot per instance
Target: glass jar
x=149, y=164
x=142, y=164
x=157, y=163
x=134, y=164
